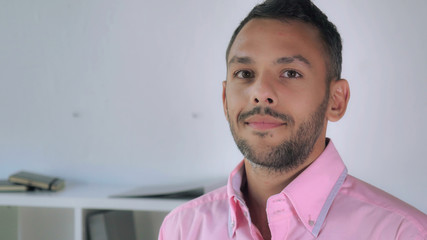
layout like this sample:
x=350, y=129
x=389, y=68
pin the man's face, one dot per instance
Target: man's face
x=276, y=96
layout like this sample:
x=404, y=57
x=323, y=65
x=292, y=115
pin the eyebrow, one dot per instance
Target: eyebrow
x=299, y=58
x=243, y=60
x=282, y=60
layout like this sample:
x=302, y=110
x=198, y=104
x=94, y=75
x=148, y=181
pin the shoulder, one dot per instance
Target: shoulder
x=204, y=211
x=380, y=205
x=205, y=202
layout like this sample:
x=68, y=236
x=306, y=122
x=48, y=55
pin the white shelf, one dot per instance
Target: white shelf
x=87, y=196
x=71, y=205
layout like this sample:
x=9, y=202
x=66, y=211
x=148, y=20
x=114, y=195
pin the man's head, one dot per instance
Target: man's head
x=278, y=94
x=303, y=11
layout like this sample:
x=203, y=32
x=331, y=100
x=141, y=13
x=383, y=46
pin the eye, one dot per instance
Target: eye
x=291, y=74
x=243, y=74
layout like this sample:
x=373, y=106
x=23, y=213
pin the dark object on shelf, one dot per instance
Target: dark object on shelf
x=174, y=191
x=6, y=186
x=37, y=181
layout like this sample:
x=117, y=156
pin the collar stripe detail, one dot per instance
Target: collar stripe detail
x=328, y=203
x=231, y=226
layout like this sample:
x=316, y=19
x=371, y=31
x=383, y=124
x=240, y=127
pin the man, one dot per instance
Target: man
x=283, y=86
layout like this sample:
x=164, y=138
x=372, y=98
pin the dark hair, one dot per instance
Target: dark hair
x=304, y=11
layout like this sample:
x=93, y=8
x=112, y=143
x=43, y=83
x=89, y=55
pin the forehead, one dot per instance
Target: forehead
x=263, y=38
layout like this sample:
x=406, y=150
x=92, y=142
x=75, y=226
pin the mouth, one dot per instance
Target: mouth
x=264, y=123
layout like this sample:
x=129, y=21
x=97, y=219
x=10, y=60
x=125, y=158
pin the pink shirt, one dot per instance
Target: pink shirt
x=323, y=202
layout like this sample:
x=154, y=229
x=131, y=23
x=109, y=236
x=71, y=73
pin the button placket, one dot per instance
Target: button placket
x=278, y=214
x=276, y=205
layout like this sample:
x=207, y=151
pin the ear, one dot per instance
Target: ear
x=339, y=97
x=224, y=98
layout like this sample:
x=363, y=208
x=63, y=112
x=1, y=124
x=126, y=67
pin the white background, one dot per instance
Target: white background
x=129, y=92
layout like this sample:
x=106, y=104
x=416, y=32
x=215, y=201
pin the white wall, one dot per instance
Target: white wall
x=130, y=91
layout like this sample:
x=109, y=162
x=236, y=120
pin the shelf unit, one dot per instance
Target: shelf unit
x=62, y=215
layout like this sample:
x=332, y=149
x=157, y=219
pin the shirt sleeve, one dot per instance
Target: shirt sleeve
x=170, y=228
x=164, y=231
x=410, y=230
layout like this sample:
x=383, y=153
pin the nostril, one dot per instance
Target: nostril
x=270, y=100
x=256, y=100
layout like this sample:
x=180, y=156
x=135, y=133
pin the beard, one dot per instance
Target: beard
x=290, y=153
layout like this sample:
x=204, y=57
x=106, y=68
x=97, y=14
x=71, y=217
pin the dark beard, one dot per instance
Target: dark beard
x=291, y=153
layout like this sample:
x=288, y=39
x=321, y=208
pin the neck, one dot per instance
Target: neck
x=263, y=183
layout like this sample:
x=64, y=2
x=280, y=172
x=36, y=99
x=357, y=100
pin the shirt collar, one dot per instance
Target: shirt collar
x=311, y=193
x=235, y=196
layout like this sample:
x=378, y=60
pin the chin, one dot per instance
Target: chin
x=265, y=139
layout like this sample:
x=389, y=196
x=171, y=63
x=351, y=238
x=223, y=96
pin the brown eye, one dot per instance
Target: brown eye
x=244, y=74
x=291, y=74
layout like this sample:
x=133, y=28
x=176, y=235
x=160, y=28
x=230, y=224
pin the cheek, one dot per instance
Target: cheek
x=302, y=105
x=232, y=110
x=236, y=100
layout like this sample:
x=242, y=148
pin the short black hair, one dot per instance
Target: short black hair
x=304, y=11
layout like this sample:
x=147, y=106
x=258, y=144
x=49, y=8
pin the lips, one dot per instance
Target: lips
x=263, y=123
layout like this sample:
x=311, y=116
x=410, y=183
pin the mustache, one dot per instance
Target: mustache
x=266, y=111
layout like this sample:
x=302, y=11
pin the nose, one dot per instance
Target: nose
x=264, y=92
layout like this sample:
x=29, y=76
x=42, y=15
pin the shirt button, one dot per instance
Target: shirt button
x=311, y=223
